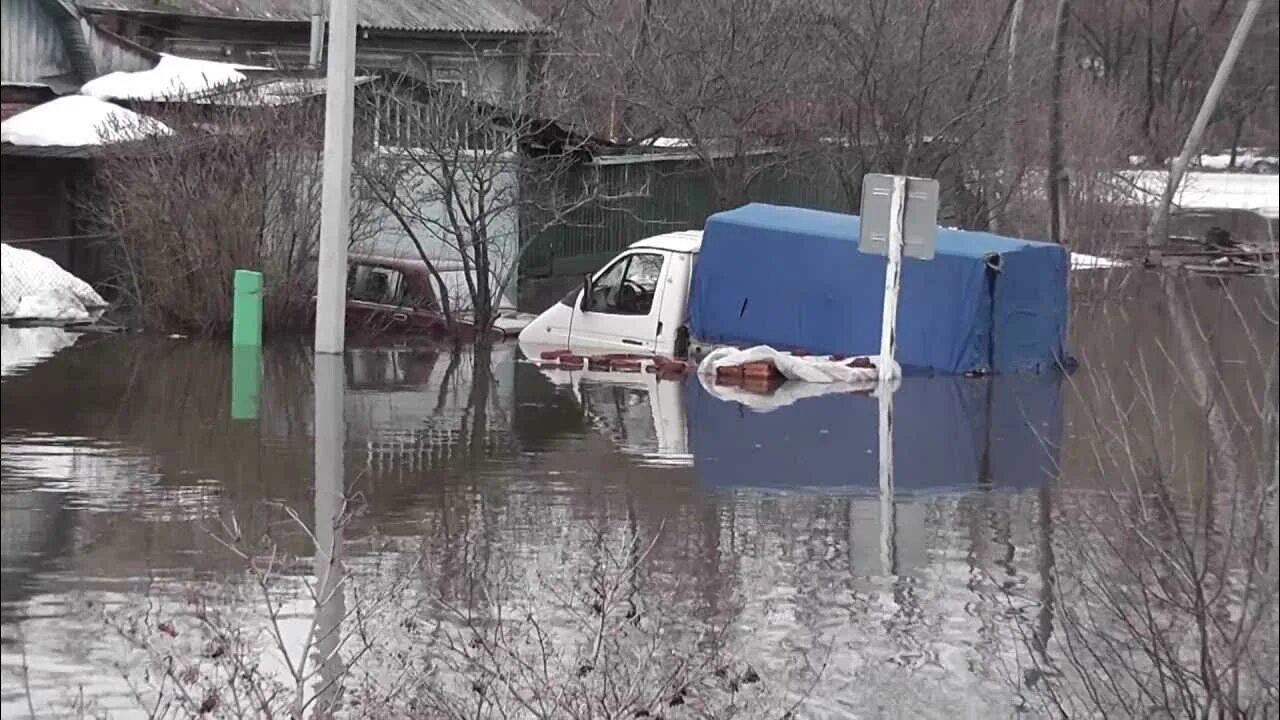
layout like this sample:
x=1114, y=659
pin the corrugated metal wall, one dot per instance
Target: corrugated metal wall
x=30, y=47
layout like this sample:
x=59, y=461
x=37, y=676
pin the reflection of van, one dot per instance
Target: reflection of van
x=795, y=279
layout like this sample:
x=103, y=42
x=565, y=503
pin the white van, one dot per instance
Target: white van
x=635, y=304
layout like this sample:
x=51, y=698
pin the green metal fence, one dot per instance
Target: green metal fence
x=640, y=197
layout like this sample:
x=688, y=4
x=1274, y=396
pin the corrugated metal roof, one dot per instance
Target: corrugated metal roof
x=487, y=16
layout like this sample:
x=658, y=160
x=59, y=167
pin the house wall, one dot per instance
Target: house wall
x=34, y=208
x=32, y=49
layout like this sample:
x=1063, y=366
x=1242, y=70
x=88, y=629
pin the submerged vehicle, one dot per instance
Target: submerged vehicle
x=398, y=296
x=794, y=279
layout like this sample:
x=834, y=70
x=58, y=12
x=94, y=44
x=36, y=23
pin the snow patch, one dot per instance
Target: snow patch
x=1210, y=190
x=1250, y=158
x=1083, y=261
x=78, y=120
x=173, y=78
x=33, y=287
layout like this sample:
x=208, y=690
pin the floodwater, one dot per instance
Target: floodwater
x=128, y=488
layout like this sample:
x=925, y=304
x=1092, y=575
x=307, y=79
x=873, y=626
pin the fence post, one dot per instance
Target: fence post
x=246, y=312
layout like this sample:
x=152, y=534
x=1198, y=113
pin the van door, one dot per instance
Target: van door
x=622, y=311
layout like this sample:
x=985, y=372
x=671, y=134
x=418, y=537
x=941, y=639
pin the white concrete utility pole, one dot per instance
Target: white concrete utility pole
x=1158, y=231
x=335, y=197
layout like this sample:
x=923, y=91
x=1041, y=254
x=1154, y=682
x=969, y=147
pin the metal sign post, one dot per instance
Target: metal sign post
x=899, y=218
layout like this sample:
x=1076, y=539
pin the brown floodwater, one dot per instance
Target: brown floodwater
x=122, y=466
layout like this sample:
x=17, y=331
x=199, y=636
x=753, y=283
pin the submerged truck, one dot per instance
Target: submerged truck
x=794, y=279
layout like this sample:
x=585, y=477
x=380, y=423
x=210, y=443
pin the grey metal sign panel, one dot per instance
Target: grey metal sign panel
x=920, y=222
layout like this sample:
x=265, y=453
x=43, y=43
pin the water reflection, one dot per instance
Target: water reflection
x=330, y=518
x=120, y=457
x=950, y=434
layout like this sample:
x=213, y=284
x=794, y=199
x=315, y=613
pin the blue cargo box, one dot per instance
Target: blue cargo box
x=793, y=278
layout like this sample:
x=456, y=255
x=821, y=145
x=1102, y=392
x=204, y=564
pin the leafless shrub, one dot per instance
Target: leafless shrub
x=237, y=185
x=394, y=637
x=1162, y=576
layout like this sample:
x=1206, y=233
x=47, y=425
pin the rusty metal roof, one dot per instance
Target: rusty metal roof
x=477, y=16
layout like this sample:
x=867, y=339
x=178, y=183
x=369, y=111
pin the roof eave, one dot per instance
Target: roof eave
x=498, y=33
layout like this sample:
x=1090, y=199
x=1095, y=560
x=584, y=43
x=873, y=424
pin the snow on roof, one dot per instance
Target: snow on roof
x=486, y=16
x=280, y=91
x=173, y=78
x=77, y=121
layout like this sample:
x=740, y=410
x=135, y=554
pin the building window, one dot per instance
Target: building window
x=442, y=121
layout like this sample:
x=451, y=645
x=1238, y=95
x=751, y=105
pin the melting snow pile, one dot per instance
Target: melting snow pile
x=35, y=288
x=77, y=120
x=173, y=78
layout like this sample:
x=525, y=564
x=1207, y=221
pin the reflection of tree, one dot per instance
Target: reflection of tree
x=478, y=400
x=1157, y=595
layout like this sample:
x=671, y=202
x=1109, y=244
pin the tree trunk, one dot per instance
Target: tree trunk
x=1057, y=174
x=1005, y=162
x=1237, y=129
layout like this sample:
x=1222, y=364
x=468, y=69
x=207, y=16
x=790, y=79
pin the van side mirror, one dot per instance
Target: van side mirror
x=585, y=303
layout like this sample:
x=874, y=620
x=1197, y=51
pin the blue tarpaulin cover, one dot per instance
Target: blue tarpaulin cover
x=950, y=434
x=793, y=278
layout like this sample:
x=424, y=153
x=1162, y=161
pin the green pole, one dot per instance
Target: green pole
x=246, y=381
x=246, y=312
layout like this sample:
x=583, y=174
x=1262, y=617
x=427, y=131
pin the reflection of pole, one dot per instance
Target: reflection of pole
x=889, y=371
x=1044, y=623
x=330, y=438
x=888, y=367
x=888, y=513
x=335, y=213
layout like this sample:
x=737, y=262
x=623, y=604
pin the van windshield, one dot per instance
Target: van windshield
x=629, y=285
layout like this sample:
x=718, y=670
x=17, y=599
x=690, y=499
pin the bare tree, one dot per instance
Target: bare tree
x=913, y=89
x=471, y=183
x=730, y=82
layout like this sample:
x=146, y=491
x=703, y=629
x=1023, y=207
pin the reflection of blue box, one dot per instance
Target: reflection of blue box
x=950, y=433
